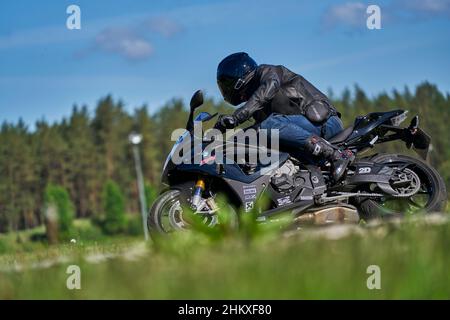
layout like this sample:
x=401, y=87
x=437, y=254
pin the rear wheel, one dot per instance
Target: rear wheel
x=425, y=185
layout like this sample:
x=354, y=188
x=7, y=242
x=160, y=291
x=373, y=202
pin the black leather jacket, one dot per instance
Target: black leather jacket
x=279, y=90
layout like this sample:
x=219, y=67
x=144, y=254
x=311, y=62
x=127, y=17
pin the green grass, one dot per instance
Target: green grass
x=315, y=264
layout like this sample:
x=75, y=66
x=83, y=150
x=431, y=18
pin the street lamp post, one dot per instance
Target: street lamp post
x=135, y=139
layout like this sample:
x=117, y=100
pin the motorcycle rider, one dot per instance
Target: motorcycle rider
x=278, y=98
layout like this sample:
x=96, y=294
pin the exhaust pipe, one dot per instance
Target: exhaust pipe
x=330, y=215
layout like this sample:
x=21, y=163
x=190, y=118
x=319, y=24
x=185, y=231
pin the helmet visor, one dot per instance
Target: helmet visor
x=230, y=92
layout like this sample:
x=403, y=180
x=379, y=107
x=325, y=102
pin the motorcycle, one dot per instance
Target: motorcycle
x=375, y=186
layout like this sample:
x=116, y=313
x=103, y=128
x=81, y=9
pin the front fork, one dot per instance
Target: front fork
x=198, y=190
x=197, y=197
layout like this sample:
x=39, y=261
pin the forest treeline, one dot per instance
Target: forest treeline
x=90, y=147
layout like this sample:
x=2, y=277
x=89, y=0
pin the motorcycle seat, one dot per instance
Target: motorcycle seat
x=341, y=136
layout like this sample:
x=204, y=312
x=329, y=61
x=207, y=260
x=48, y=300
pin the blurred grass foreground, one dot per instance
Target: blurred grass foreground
x=314, y=263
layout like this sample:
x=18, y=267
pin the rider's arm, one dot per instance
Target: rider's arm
x=269, y=85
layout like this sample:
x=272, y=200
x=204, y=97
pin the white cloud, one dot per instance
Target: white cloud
x=132, y=41
x=124, y=42
x=351, y=15
x=163, y=26
x=424, y=8
x=129, y=40
x=39, y=36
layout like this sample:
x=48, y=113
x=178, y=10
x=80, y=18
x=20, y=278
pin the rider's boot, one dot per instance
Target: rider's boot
x=323, y=149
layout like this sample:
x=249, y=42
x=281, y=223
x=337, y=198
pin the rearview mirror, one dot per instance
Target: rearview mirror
x=196, y=100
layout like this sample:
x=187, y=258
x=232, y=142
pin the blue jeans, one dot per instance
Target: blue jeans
x=294, y=130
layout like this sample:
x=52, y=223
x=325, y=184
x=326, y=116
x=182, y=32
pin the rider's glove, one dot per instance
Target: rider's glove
x=225, y=122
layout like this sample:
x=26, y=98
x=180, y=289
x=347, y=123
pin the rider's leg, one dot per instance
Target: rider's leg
x=298, y=132
x=293, y=130
x=339, y=158
x=319, y=146
x=332, y=127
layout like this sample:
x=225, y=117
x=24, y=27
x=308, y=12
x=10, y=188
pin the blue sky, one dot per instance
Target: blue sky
x=151, y=51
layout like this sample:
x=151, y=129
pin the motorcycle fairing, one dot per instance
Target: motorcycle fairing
x=415, y=137
x=364, y=124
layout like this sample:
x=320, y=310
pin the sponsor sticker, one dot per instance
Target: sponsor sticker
x=248, y=206
x=284, y=201
x=249, y=190
x=250, y=197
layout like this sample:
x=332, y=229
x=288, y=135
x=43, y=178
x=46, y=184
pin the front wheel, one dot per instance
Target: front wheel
x=429, y=190
x=171, y=213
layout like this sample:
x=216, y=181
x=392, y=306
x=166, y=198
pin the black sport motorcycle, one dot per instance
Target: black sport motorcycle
x=375, y=186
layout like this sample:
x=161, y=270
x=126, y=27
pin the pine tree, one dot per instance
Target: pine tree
x=17, y=201
x=114, y=209
x=111, y=126
x=83, y=163
x=58, y=198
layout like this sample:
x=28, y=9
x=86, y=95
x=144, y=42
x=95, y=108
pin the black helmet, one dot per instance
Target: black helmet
x=234, y=74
